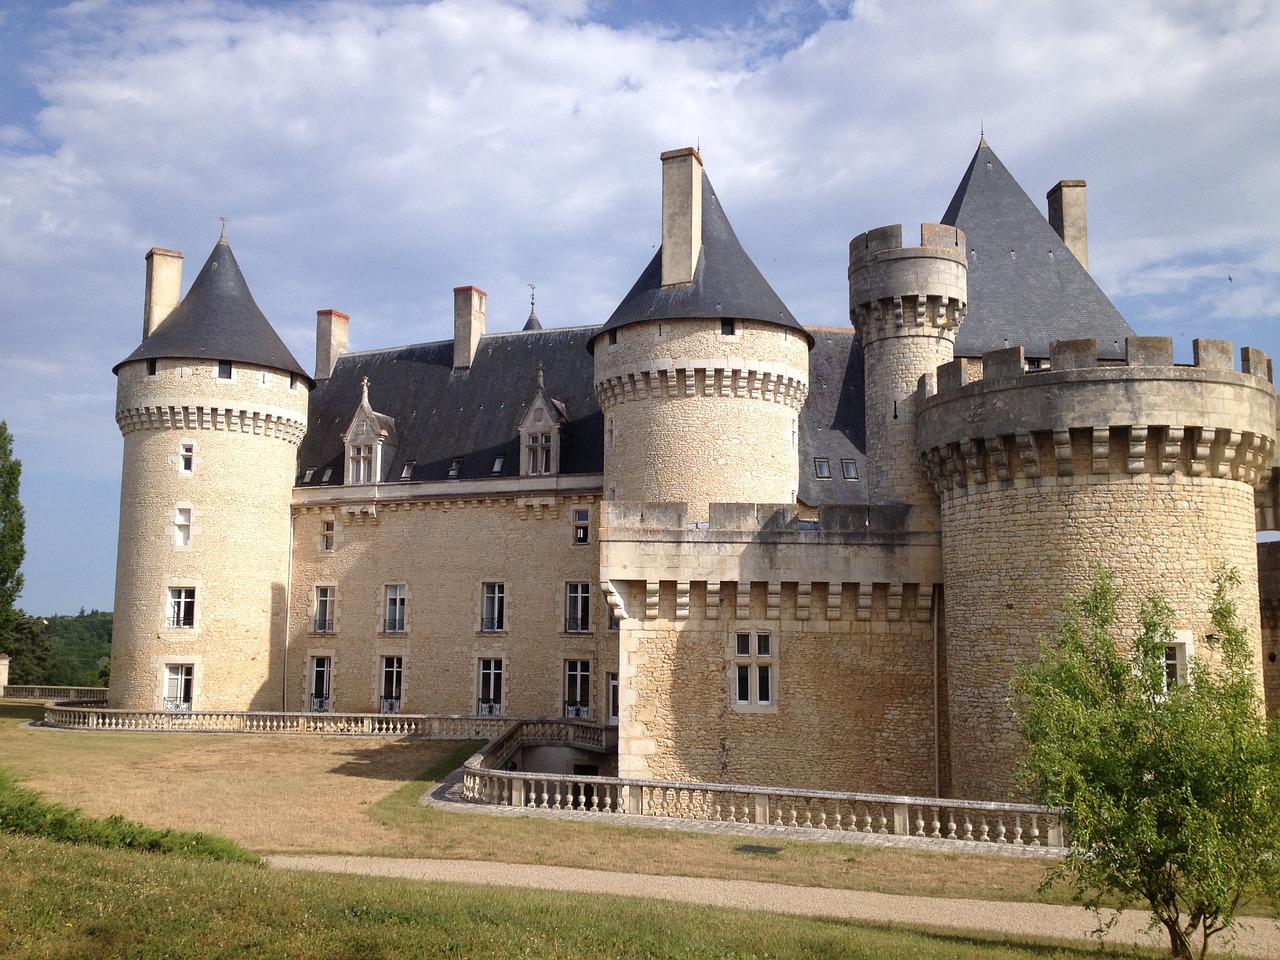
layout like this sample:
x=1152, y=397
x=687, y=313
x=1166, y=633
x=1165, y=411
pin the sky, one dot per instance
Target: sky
x=370, y=157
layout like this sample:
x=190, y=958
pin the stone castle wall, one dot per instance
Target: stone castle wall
x=243, y=434
x=1144, y=468
x=693, y=415
x=442, y=550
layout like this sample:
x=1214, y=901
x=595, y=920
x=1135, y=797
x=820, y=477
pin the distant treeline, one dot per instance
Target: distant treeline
x=64, y=651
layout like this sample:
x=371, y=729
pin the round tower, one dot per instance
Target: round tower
x=1145, y=468
x=702, y=370
x=906, y=304
x=212, y=407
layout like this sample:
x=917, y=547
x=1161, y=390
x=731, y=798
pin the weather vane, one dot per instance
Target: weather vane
x=532, y=289
x=224, y=227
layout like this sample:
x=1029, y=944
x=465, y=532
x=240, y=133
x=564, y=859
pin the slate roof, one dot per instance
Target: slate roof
x=218, y=320
x=1025, y=286
x=442, y=415
x=726, y=283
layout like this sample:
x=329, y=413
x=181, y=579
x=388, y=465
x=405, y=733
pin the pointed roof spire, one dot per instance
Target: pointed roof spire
x=218, y=319
x=533, y=323
x=1025, y=287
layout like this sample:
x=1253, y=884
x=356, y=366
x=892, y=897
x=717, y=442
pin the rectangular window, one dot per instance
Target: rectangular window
x=392, y=673
x=493, y=613
x=406, y=472
x=489, y=701
x=362, y=463
x=498, y=461
x=182, y=528
x=188, y=457
x=539, y=453
x=613, y=699
x=577, y=609
x=308, y=474
x=754, y=666
x=728, y=328
x=327, y=475
x=395, y=608
x=849, y=469
x=179, y=679
x=182, y=607
x=577, y=689
x=822, y=468
x=324, y=609
x=321, y=679
x=224, y=369
x=581, y=526
x=151, y=367
x=613, y=338
x=326, y=535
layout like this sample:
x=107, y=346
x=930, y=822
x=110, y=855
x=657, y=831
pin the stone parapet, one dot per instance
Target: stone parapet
x=894, y=290
x=724, y=377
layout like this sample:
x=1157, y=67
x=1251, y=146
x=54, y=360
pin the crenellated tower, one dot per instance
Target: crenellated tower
x=212, y=407
x=906, y=304
x=701, y=371
x=1144, y=467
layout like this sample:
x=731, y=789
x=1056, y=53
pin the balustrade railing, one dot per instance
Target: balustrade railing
x=20, y=691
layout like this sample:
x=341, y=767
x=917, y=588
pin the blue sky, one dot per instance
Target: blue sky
x=372, y=156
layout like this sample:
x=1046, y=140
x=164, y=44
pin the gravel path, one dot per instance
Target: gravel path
x=1259, y=938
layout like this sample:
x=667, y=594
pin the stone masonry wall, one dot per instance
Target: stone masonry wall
x=443, y=550
x=693, y=415
x=244, y=434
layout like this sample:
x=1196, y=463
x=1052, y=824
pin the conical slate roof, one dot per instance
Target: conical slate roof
x=1025, y=287
x=218, y=320
x=726, y=283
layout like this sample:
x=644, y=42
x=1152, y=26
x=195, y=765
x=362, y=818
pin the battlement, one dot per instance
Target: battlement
x=995, y=420
x=893, y=288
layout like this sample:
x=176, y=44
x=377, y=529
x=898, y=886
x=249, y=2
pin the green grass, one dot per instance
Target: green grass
x=25, y=812
x=64, y=901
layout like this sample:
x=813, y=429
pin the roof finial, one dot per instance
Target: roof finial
x=540, y=384
x=223, y=238
x=364, y=390
x=532, y=323
x=532, y=290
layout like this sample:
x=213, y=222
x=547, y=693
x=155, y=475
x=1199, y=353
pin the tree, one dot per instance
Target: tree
x=12, y=531
x=29, y=652
x=1172, y=789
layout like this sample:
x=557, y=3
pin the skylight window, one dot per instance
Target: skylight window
x=822, y=468
x=311, y=472
x=407, y=472
x=498, y=461
x=850, y=469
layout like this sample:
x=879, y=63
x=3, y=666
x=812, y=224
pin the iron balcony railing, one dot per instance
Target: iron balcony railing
x=176, y=705
x=324, y=626
x=395, y=625
x=390, y=705
x=577, y=625
x=576, y=709
x=182, y=621
x=488, y=708
x=319, y=704
x=490, y=624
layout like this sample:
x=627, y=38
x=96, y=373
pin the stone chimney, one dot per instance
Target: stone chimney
x=468, y=324
x=332, y=330
x=164, y=288
x=681, y=215
x=1067, y=217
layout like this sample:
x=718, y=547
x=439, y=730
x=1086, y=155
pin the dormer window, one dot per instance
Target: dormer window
x=362, y=464
x=454, y=466
x=540, y=432
x=406, y=473
x=370, y=443
x=539, y=453
x=498, y=461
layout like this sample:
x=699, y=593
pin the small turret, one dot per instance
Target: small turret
x=906, y=303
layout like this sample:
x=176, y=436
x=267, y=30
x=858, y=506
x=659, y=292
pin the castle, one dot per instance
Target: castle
x=767, y=552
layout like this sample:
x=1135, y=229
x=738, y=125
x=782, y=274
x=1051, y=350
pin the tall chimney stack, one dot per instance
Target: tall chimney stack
x=332, y=331
x=1067, y=217
x=468, y=324
x=681, y=215
x=164, y=288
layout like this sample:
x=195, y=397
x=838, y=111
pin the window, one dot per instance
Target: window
x=182, y=528
x=539, y=453
x=613, y=699
x=324, y=609
x=308, y=474
x=577, y=608
x=849, y=469
x=392, y=673
x=577, y=688
x=326, y=535
x=498, y=461
x=187, y=458
x=728, y=328
x=489, y=701
x=1172, y=671
x=328, y=472
x=362, y=463
x=406, y=473
x=224, y=369
x=321, y=678
x=293, y=383
x=395, y=608
x=493, y=614
x=152, y=367
x=455, y=465
x=822, y=468
x=753, y=670
x=182, y=607
x=179, y=679
x=581, y=526
x=613, y=338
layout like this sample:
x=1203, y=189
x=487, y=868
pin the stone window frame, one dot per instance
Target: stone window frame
x=362, y=463
x=315, y=702
x=751, y=665
x=324, y=598
x=182, y=526
x=493, y=606
x=614, y=693
x=390, y=690
x=577, y=607
x=328, y=534
x=181, y=608
x=185, y=461
x=1178, y=655
x=581, y=526
x=577, y=681
x=187, y=676
x=489, y=706
x=395, y=622
x=225, y=371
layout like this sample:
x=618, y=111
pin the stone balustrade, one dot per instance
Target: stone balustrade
x=40, y=692
x=87, y=716
x=484, y=781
